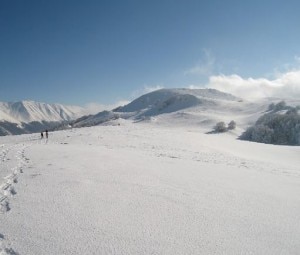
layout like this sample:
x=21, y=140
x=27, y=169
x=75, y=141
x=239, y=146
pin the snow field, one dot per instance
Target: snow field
x=148, y=189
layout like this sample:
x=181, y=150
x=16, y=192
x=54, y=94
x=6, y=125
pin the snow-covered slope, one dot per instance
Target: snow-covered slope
x=139, y=188
x=28, y=111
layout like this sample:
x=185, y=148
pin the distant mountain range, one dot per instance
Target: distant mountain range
x=202, y=108
x=29, y=116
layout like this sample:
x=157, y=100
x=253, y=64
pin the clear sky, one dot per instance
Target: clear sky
x=76, y=52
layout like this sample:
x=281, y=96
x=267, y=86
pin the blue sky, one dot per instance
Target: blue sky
x=77, y=52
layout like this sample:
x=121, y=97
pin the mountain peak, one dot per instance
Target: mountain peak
x=176, y=95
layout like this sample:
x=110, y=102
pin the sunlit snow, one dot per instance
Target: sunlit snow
x=144, y=188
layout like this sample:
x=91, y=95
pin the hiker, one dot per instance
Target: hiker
x=42, y=135
x=46, y=133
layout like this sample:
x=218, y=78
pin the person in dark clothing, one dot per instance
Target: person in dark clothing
x=42, y=135
x=46, y=133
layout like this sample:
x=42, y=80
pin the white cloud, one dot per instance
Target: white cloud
x=204, y=67
x=285, y=85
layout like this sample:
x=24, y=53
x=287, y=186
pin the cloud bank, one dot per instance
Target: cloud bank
x=285, y=85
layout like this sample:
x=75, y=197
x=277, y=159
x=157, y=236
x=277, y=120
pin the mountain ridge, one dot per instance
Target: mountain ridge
x=28, y=111
x=29, y=116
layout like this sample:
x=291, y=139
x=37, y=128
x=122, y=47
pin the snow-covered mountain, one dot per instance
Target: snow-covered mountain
x=30, y=116
x=201, y=108
x=148, y=188
x=177, y=104
x=28, y=111
x=170, y=100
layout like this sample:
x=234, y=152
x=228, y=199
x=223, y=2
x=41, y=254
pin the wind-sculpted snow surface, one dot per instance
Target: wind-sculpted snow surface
x=139, y=188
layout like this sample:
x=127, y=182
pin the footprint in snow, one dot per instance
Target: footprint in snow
x=9, y=251
x=4, y=206
x=12, y=191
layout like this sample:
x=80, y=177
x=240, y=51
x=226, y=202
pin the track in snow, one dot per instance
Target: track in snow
x=13, y=160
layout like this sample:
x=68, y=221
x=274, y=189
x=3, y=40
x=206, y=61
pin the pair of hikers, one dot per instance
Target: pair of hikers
x=42, y=134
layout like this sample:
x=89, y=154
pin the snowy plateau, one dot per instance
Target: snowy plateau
x=151, y=178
